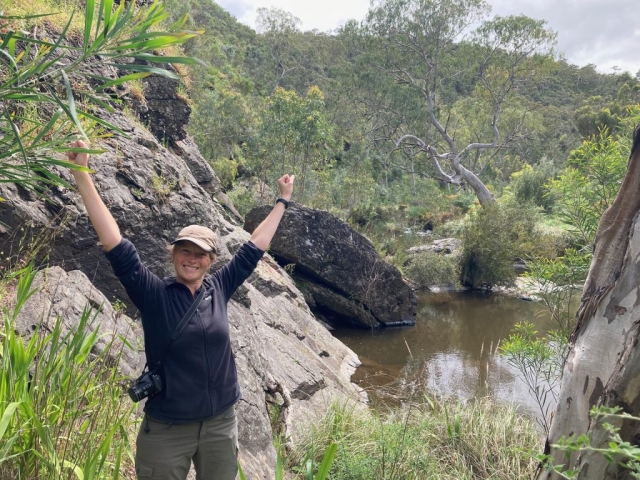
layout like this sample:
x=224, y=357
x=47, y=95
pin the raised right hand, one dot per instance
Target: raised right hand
x=81, y=159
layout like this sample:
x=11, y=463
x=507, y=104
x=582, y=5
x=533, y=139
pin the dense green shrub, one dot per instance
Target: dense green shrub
x=368, y=214
x=492, y=239
x=226, y=170
x=55, y=75
x=529, y=185
x=463, y=200
x=589, y=185
x=243, y=199
x=432, y=269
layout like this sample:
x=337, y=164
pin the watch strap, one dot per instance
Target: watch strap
x=284, y=202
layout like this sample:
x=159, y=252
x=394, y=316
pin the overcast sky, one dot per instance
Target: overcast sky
x=605, y=33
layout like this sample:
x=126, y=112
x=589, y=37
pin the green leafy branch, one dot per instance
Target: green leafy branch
x=616, y=451
x=57, y=76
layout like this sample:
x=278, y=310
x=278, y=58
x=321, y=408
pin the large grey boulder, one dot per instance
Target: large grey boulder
x=341, y=270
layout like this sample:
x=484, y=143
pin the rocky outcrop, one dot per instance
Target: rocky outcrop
x=153, y=192
x=66, y=296
x=342, y=274
x=164, y=110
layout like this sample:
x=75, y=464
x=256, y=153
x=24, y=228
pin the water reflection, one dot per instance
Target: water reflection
x=453, y=346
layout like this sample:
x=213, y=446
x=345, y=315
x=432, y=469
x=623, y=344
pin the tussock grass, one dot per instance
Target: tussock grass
x=431, y=439
x=61, y=409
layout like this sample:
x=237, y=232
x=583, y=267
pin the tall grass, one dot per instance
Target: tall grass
x=431, y=439
x=61, y=414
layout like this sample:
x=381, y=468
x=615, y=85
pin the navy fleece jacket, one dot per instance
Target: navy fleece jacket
x=199, y=372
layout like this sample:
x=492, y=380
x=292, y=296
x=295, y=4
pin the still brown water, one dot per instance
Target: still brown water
x=454, y=342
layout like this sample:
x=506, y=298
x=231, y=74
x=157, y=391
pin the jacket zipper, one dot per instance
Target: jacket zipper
x=206, y=357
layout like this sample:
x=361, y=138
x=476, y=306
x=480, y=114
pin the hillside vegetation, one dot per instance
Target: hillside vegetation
x=406, y=124
x=373, y=132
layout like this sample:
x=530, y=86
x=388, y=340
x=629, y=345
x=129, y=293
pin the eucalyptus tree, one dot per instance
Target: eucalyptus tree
x=432, y=54
x=601, y=369
x=50, y=89
x=281, y=33
x=293, y=135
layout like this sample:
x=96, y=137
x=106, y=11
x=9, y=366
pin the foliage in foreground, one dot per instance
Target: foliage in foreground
x=586, y=188
x=49, y=91
x=590, y=183
x=310, y=467
x=616, y=451
x=61, y=414
x=432, y=439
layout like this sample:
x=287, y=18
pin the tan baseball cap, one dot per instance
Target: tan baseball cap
x=203, y=237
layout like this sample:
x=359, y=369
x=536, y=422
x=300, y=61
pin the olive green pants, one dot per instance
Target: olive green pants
x=165, y=451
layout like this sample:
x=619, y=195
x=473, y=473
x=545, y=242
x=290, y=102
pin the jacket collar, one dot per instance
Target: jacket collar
x=173, y=283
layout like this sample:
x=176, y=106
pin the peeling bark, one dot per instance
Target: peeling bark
x=603, y=366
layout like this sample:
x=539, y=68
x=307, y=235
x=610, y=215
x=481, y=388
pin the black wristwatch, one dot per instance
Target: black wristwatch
x=284, y=202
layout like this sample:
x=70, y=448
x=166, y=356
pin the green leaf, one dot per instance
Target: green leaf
x=327, y=460
x=106, y=9
x=118, y=20
x=104, y=123
x=309, y=472
x=179, y=23
x=88, y=22
x=5, y=45
x=142, y=37
x=116, y=467
x=6, y=417
x=124, y=20
x=156, y=42
x=160, y=59
x=72, y=105
x=16, y=132
x=26, y=17
x=100, y=102
x=125, y=79
x=48, y=126
x=43, y=65
x=148, y=68
x=40, y=42
x=241, y=472
x=279, y=468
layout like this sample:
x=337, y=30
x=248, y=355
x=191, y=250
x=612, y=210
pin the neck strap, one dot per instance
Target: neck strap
x=188, y=315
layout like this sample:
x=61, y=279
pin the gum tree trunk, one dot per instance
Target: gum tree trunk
x=603, y=366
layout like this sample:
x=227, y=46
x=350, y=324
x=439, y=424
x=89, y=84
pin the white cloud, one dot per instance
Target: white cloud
x=589, y=31
x=324, y=16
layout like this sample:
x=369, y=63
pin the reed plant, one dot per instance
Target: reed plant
x=50, y=92
x=61, y=408
x=430, y=438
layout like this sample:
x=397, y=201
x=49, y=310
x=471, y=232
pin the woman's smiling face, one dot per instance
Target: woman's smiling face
x=190, y=262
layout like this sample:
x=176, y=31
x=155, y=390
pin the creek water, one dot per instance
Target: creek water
x=452, y=348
